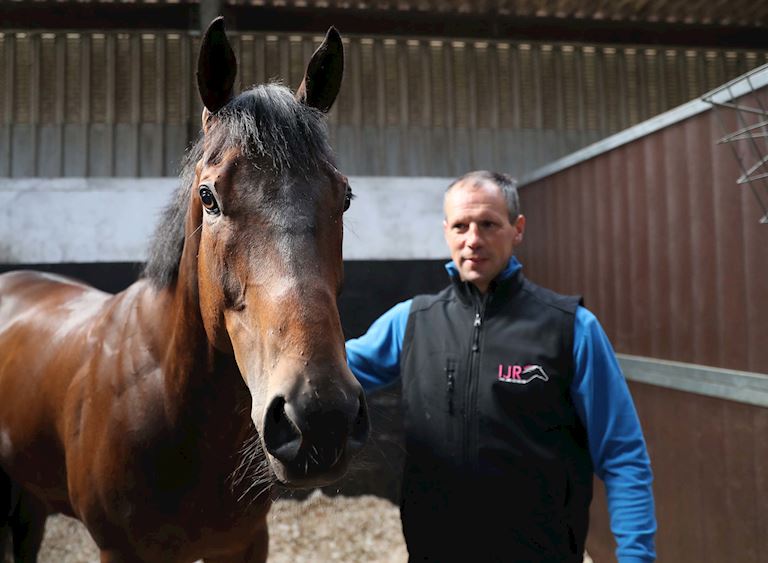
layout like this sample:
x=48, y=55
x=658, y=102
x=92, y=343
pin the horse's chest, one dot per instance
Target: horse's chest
x=169, y=491
x=171, y=514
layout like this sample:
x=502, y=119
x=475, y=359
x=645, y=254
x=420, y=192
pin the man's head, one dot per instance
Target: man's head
x=482, y=225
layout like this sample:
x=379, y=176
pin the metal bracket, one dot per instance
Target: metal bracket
x=749, y=142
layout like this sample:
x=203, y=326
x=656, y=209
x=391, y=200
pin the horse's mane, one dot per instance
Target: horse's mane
x=265, y=123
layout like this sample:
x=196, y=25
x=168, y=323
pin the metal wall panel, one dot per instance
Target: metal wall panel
x=651, y=227
x=664, y=245
x=125, y=104
x=708, y=457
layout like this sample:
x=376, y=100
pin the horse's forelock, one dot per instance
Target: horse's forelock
x=265, y=123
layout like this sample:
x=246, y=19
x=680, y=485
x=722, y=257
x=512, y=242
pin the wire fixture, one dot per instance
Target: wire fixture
x=746, y=98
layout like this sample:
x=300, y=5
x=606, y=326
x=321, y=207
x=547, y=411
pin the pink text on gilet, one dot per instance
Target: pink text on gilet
x=513, y=372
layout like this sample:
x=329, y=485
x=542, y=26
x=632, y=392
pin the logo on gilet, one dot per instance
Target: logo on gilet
x=521, y=374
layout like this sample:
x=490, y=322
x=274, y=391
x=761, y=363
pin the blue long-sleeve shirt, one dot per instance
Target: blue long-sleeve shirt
x=601, y=397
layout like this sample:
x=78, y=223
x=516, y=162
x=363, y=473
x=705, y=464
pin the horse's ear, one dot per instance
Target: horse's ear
x=216, y=67
x=322, y=80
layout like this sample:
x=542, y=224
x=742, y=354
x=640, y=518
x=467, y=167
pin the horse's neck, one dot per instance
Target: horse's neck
x=198, y=380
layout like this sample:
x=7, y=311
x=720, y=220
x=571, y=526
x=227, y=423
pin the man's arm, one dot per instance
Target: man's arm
x=374, y=358
x=616, y=443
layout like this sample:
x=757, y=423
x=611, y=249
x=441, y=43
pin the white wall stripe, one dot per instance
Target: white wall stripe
x=85, y=220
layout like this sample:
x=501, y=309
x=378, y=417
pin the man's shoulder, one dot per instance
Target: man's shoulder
x=549, y=298
x=426, y=301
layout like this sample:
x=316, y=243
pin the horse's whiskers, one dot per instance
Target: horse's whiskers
x=261, y=483
x=250, y=453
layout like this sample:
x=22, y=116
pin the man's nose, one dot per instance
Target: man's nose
x=473, y=235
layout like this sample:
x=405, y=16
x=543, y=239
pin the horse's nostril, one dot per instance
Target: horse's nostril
x=360, y=427
x=281, y=436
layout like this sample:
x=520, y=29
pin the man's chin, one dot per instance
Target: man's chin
x=473, y=276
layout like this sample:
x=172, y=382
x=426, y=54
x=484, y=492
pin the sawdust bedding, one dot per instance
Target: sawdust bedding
x=319, y=528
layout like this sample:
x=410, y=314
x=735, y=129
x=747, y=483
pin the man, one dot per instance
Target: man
x=512, y=397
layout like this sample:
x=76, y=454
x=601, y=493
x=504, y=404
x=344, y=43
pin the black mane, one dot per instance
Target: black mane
x=265, y=123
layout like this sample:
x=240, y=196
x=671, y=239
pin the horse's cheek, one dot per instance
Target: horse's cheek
x=212, y=308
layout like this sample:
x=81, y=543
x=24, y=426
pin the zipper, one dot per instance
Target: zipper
x=471, y=389
x=450, y=381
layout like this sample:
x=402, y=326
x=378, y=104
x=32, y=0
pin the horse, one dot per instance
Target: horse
x=165, y=416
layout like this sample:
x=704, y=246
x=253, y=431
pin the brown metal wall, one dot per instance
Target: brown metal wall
x=709, y=458
x=668, y=252
x=664, y=245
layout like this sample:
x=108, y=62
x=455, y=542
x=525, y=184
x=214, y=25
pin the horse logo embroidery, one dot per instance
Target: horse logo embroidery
x=522, y=374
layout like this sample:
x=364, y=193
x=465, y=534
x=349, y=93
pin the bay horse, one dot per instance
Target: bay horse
x=163, y=416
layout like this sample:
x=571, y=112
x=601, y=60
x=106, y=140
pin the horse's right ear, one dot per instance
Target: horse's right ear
x=216, y=68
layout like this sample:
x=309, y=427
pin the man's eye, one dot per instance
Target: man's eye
x=209, y=200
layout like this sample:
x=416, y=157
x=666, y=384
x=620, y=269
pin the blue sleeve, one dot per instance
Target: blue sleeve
x=616, y=443
x=374, y=358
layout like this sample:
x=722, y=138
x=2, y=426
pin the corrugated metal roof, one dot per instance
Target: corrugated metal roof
x=117, y=103
x=718, y=12
x=736, y=12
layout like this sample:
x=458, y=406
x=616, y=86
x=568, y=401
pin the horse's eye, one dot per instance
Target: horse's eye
x=348, y=197
x=209, y=201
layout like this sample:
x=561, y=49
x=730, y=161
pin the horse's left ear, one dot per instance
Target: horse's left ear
x=322, y=80
x=216, y=67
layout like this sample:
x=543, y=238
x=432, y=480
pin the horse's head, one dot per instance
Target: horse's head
x=268, y=201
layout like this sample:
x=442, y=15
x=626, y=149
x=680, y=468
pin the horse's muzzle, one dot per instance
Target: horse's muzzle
x=314, y=439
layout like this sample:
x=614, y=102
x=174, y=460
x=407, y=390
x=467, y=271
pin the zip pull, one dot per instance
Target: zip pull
x=476, y=335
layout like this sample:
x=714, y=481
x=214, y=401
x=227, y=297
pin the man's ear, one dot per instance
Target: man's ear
x=519, y=228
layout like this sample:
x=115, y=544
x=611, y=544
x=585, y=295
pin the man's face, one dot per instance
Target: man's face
x=478, y=232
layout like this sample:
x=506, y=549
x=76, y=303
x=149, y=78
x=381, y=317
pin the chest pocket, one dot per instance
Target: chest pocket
x=432, y=395
x=529, y=391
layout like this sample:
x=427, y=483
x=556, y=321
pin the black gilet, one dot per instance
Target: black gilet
x=497, y=465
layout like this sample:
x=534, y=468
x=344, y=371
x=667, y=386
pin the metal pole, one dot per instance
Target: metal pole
x=209, y=10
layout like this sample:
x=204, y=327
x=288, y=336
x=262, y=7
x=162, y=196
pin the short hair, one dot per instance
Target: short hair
x=506, y=183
